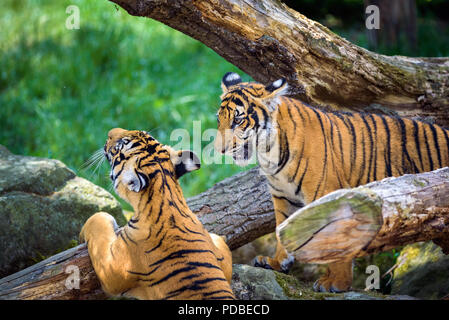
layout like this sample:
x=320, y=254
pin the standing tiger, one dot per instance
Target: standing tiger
x=307, y=153
x=163, y=252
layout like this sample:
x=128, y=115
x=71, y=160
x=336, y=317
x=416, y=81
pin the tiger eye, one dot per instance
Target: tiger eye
x=238, y=120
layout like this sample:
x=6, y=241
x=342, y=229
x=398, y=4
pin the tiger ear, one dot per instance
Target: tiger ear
x=274, y=91
x=184, y=161
x=229, y=79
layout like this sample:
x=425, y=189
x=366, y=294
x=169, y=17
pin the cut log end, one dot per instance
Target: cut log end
x=336, y=227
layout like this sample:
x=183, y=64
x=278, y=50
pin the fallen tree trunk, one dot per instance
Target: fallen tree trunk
x=268, y=40
x=50, y=279
x=239, y=208
x=372, y=218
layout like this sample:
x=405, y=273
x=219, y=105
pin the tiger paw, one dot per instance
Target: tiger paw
x=97, y=223
x=272, y=264
x=326, y=284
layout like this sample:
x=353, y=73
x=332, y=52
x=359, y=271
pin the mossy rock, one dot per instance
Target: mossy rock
x=43, y=206
x=252, y=283
x=423, y=271
x=300, y=290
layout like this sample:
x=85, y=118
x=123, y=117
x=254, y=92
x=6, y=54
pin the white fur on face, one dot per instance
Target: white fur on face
x=190, y=165
x=273, y=102
x=129, y=178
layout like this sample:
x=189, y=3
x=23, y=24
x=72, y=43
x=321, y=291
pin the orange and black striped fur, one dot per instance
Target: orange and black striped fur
x=306, y=153
x=163, y=252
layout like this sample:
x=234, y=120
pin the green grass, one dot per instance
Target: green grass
x=62, y=90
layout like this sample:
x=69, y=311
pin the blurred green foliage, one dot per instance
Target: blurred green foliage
x=347, y=18
x=62, y=90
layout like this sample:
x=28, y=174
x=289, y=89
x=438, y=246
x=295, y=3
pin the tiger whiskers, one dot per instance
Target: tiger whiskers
x=95, y=157
x=111, y=187
x=96, y=160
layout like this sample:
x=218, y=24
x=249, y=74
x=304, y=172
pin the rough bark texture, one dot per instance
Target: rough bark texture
x=239, y=208
x=46, y=280
x=343, y=224
x=268, y=40
x=415, y=208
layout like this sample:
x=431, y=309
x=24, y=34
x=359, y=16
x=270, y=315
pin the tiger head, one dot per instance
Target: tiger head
x=136, y=158
x=245, y=115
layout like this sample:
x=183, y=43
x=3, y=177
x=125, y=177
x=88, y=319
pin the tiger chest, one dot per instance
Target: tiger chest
x=282, y=188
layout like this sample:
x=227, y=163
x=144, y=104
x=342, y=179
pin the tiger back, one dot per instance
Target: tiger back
x=163, y=252
x=307, y=153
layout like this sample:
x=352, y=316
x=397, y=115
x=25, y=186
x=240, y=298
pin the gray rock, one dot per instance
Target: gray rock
x=251, y=283
x=43, y=206
x=352, y=295
x=32, y=175
x=4, y=151
x=423, y=271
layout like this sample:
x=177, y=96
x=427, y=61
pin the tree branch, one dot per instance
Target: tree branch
x=376, y=217
x=268, y=40
x=238, y=207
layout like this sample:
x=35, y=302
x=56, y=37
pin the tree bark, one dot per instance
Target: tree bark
x=47, y=279
x=238, y=207
x=268, y=40
x=372, y=218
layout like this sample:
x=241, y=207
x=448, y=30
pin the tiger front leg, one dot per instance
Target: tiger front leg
x=281, y=261
x=338, y=278
x=109, y=257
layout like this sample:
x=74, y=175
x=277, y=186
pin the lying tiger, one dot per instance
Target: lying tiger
x=307, y=153
x=163, y=252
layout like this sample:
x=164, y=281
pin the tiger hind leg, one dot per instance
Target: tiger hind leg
x=338, y=278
